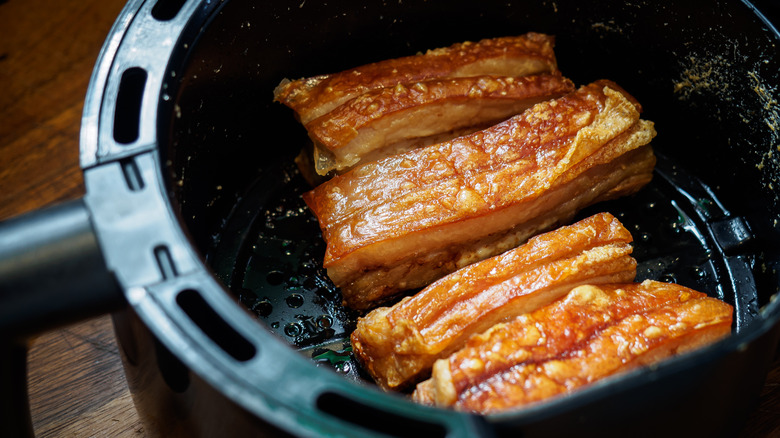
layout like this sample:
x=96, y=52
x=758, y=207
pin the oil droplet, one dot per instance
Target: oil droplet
x=275, y=324
x=295, y=300
x=669, y=278
x=326, y=293
x=644, y=237
x=293, y=282
x=288, y=247
x=698, y=272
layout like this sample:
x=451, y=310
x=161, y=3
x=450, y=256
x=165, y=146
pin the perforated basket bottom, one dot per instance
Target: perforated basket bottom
x=270, y=255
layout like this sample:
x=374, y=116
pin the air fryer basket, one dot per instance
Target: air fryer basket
x=234, y=321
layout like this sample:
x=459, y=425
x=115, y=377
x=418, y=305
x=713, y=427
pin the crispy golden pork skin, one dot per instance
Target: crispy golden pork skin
x=406, y=220
x=522, y=55
x=396, y=119
x=399, y=344
x=592, y=333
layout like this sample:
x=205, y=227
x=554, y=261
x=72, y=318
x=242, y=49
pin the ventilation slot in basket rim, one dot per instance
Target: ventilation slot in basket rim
x=166, y=10
x=216, y=328
x=377, y=420
x=127, y=110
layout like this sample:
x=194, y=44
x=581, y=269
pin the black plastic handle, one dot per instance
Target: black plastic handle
x=52, y=272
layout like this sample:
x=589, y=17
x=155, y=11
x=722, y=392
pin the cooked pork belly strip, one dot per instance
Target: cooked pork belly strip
x=643, y=337
x=399, y=344
x=310, y=155
x=396, y=118
x=406, y=220
x=527, y=54
x=550, y=332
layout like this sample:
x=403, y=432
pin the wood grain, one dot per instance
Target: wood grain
x=47, y=52
x=76, y=384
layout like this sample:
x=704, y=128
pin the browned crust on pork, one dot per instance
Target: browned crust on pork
x=509, y=56
x=398, y=223
x=634, y=338
x=382, y=118
x=399, y=344
x=552, y=331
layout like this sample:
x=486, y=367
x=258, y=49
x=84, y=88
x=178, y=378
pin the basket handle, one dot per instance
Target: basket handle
x=52, y=274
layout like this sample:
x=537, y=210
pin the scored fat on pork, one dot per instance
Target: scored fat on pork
x=396, y=119
x=398, y=345
x=593, y=332
x=521, y=55
x=406, y=220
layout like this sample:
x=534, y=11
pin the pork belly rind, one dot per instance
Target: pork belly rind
x=522, y=55
x=398, y=345
x=406, y=220
x=591, y=333
x=392, y=120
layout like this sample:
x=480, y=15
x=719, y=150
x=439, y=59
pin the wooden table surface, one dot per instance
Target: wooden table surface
x=47, y=51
